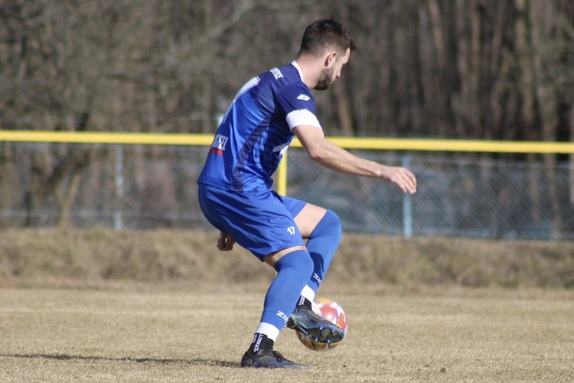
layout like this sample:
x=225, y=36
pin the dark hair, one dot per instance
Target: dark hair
x=326, y=33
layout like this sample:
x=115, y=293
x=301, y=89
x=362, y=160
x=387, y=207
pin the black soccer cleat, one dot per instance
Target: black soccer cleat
x=269, y=359
x=318, y=329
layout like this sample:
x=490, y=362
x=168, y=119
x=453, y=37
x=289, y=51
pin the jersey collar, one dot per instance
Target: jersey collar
x=294, y=63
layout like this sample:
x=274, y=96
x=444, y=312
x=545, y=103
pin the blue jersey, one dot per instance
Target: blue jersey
x=257, y=130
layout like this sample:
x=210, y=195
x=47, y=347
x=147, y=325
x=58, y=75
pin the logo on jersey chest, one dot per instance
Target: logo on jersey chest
x=218, y=144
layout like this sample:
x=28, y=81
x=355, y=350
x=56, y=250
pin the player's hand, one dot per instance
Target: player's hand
x=401, y=177
x=225, y=242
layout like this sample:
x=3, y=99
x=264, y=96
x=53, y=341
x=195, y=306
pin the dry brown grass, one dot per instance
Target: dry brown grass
x=90, y=257
x=128, y=335
x=165, y=306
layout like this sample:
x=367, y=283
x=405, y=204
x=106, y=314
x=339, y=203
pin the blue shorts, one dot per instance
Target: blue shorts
x=260, y=221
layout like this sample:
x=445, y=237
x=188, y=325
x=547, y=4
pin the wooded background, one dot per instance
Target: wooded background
x=484, y=69
x=461, y=69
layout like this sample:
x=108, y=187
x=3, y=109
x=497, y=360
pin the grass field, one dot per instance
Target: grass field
x=135, y=334
x=165, y=306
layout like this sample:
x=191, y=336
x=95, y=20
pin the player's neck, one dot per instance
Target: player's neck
x=310, y=71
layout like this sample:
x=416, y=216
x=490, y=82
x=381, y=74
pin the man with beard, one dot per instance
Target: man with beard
x=296, y=238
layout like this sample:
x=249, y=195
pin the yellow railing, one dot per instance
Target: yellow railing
x=439, y=145
x=401, y=144
x=106, y=138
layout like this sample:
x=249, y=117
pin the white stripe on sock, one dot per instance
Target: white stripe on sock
x=271, y=331
x=308, y=293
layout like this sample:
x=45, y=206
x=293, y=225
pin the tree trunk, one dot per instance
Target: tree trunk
x=343, y=106
x=65, y=199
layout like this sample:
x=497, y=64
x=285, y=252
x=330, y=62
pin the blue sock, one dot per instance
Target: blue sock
x=322, y=245
x=293, y=272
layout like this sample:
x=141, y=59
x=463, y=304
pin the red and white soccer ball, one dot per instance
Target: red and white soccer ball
x=333, y=312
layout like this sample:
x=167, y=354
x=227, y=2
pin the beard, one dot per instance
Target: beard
x=325, y=80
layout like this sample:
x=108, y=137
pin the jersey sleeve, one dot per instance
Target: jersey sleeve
x=298, y=105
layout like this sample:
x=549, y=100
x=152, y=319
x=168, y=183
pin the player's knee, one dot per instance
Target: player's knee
x=334, y=223
x=328, y=226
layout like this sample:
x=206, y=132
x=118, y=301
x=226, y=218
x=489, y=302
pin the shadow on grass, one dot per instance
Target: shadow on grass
x=194, y=362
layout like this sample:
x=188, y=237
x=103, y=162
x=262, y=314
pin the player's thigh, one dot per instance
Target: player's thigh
x=307, y=215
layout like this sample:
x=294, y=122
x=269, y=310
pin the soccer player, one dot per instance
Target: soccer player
x=296, y=238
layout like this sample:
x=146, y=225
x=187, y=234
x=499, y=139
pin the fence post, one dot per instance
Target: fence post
x=407, y=204
x=282, y=175
x=119, y=187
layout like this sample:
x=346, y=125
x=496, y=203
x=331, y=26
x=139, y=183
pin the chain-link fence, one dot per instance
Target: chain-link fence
x=145, y=187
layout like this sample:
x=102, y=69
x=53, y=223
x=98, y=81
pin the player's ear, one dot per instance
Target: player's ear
x=330, y=58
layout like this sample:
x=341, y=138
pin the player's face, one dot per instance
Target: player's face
x=332, y=72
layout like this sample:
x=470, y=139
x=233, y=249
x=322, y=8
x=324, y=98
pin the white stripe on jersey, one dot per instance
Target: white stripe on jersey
x=302, y=117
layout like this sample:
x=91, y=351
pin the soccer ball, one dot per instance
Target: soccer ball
x=333, y=312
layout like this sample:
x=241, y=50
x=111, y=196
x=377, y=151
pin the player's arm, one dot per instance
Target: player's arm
x=328, y=154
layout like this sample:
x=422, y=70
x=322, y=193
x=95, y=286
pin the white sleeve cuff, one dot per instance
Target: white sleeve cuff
x=302, y=117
